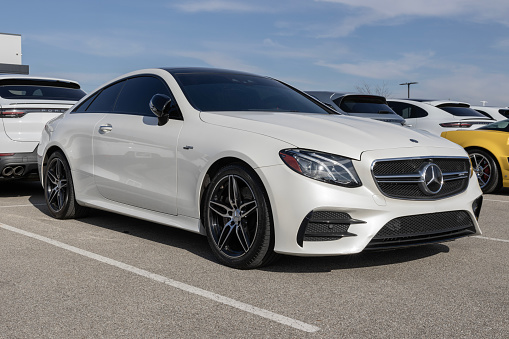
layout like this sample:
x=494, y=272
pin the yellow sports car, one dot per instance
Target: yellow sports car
x=488, y=148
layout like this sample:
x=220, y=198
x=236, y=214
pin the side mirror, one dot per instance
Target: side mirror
x=160, y=105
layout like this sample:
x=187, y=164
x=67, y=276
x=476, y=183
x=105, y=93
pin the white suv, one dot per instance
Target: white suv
x=437, y=116
x=497, y=113
x=26, y=104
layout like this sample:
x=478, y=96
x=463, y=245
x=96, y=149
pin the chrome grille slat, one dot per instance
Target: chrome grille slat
x=400, y=178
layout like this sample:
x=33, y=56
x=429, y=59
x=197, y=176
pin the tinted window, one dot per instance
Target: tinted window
x=136, y=95
x=23, y=92
x=241, y=92
x=84, y=105
x=504, y=112
x=497, y=126
x=105, y=101
x=363, y=104
x=484, y=113
x=407, y=111
x=462, y=111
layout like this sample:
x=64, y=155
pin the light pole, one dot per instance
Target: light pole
x=408, y=84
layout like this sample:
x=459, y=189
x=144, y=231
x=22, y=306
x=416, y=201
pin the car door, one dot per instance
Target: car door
x=134, y=158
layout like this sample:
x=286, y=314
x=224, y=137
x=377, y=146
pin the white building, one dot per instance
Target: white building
x=10, y=54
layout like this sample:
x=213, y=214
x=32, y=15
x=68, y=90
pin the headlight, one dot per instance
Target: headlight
x=329, y=168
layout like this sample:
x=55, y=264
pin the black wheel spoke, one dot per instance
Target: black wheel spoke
x=250, y=206
x=225, y=235
x=220, y=209
x=244, y=241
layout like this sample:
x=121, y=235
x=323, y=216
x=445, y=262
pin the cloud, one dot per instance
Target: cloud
x=390, y=12
x=469, y=84
x=384, y=69
x=105, y=46
x=219, y=6
x=219, y=60
x=501, y=45
x=88, y=81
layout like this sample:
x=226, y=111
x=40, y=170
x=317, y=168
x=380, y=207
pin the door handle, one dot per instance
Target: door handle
x=105, y=129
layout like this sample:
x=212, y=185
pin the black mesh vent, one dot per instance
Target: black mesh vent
x=400, y=188
x=328, y=215
x=412, y=191
x=325, y=226
x=423, y=228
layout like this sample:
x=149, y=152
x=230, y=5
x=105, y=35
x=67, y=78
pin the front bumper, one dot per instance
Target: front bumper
x=359, y=218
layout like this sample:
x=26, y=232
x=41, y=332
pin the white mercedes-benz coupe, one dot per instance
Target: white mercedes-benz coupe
x=257, y=166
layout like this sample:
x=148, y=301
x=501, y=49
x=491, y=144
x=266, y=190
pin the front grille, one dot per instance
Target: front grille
x=422, y=229
x=405, y=178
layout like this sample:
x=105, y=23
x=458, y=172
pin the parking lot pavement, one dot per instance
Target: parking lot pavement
x=113, y=276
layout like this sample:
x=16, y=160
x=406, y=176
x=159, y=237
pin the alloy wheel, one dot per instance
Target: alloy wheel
x=233, y=216
x=56, y=185
x=482, y=168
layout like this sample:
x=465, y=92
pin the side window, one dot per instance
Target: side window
x=136, y=95
x=105, y=100
x=84, y=105
x=407, y=111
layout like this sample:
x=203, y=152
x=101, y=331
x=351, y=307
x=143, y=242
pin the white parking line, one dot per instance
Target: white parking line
x=492, y=239
x=185, y=287
x=28, y=205
x=496, y=200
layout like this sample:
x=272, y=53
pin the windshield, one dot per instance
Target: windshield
x=242, y=92
x=363, y=104
x=462, y=111
x=40, y=92
x=497, y=126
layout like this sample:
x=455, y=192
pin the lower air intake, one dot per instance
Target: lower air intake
x=423, y=229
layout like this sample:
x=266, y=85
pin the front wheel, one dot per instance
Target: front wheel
x=237, y=219
x=59, y=189
x=486, y=169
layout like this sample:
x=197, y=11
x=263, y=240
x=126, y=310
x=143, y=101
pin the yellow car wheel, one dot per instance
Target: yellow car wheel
x=486, y=169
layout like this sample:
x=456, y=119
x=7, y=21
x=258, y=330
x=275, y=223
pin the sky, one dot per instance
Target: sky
x=454, y=49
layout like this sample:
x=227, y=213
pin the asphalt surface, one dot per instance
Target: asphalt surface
x=111, y=276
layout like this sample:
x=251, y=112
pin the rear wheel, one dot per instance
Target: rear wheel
x=238, y=220
x=59, y=189
x=486, y=169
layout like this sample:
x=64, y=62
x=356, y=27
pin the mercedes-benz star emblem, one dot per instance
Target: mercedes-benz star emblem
x=432, y=179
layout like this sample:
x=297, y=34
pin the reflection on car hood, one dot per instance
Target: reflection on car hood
x=338, y=134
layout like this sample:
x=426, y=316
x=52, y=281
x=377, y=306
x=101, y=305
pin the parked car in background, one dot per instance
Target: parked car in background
x=26, y=104
x=359, y=105
x=256, y=165
x=496, y=113
x=488, y=148
x=437, y=116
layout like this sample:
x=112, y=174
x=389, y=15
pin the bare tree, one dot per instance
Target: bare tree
x=382, y=90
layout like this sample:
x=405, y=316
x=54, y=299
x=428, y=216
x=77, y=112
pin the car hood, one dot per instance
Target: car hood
x=337, y=134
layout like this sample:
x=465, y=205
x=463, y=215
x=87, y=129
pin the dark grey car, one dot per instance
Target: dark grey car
x=360, y=105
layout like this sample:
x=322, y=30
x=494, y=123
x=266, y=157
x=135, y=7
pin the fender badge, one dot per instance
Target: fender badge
x=413, y=140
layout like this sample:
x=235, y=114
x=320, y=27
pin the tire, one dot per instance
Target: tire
x=59, y=189
x=486, y=169
x=238, y=220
